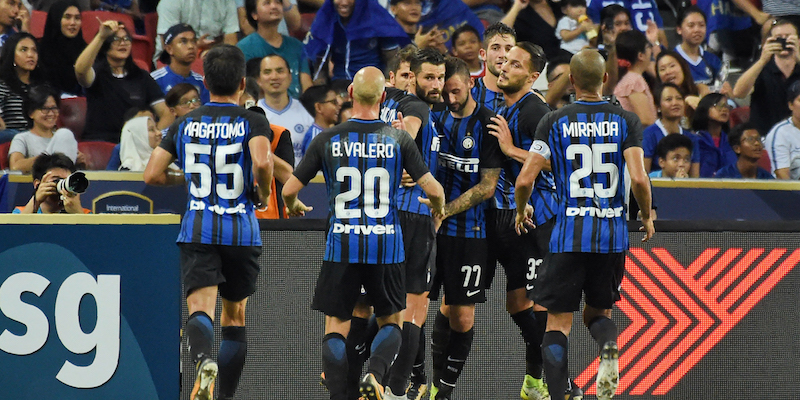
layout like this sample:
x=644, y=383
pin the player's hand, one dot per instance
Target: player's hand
x=399, y=122
x=502, y=132
x=648, y=228
x=436, y=212
x=297, y=209
x=406, y=180
x=524, y=220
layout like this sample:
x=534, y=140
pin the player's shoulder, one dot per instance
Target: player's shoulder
x=484, y=113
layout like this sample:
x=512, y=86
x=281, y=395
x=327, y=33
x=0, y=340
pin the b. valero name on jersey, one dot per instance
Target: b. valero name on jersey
x=362, y=150
x=215, y=130
x=590, y=129
x=595, y=212
x=469, y=165
x=363, y=229
x=195, y=205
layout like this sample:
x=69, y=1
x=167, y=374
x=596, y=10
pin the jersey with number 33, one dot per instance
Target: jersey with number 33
x=211, y=144
x=362, y=162
x=585, y=142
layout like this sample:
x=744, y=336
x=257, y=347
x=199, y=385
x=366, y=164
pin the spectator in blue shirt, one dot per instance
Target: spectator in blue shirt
x=674, y=157
x=641, y=11
x=711, y=124
x=323, y=104
x=670, y=104
x=353, y=34
x=746, y=142
x=265, y=16
x=705, y=66
x=180, y=46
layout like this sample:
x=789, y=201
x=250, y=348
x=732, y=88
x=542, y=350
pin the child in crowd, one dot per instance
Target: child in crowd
x=746, y=142
x=466, y=45
x=674, y=157
x=575, y=29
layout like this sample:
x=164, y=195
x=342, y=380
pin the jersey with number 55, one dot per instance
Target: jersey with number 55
x=212, y=145
x=362, y=162
x=585, y=142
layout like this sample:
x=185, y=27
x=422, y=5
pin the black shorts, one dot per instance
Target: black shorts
x=518, y=254
x=339, y=287
x=565, y=276
x=419, y=242
x=234, y=269
x=461, y=268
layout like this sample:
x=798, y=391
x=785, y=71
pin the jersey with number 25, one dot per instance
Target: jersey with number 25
x=362, y=162
x=585, y=142
x=212, y=144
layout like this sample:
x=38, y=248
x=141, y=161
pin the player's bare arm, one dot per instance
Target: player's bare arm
x=261, y=154
x=523, y=189
x=477, y=194
x=435, y=192
x=157, y=171
x=294, y=207
x=281, y=169
x=640, y=184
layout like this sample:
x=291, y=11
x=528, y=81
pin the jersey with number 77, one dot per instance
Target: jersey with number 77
x=585, y=142
x=362, y=162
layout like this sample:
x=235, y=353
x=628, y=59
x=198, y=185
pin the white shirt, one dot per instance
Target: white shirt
x=783, y=146
x=574, y=45
x=213, y=17
x=295, y=118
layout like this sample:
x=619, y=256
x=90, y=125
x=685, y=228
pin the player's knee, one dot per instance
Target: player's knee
x=362, y=310
x=462, y=318
x=517, y=300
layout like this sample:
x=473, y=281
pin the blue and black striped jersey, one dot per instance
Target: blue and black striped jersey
x=523, y=117
x=212, y=145
x=427, y=142
x=466, y=149
x=490, y=99
x=585, y=142
x=362, y=162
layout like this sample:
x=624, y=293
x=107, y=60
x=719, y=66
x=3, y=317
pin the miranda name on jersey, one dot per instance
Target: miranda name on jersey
x=590, y=129
x=362, y=150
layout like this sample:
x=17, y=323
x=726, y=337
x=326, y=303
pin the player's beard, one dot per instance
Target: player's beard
x=422, y=94
x=458, y=107
x=509, y=86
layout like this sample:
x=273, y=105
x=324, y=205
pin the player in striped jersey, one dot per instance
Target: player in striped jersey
x=469, y=165
x=498, y=39
x=521, y=256
x=223, y=148
x=588, y=144
x=362, y=161
x=427, y=67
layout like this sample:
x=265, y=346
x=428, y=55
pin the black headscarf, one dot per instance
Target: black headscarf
x=57, y=53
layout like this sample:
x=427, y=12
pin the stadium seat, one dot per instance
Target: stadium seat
x=740, y=115
x=72, y=115
x=38, y=19
x=764, y=161
x=197, y=65
x=306, y=19
x=143, y=64
x=4, y=155
x=97, y=154
x=150, y=26
x=142, y=49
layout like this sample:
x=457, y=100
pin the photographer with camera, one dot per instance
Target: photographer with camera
x=57, y=187
x=770, y=76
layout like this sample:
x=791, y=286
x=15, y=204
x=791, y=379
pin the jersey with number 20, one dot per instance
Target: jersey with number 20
x=585, y=142
x=212, y=145
x=362, y=162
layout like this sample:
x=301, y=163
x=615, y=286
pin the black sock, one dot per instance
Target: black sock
x=603, y=330
x=533, y=365
x=357, y=350
x=384, y=350
x=457, y=353
x=439, y=341
x=528, y=326
x=199, y=335
x=555, y=348
x=334, y=364
x=232, y=353
x=418, y=370
x=401, y=369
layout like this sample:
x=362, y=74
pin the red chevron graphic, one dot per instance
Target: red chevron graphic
x=679, y=313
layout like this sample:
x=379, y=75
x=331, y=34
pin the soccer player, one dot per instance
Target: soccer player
x=219, y=239
x=428, y=69
x=588, y=144
x=362, y=161
x=520, y=256
x=469, y=165
x=498, y=39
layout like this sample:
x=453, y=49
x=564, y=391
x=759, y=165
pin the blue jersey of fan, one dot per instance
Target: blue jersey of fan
x=212, y=145
x=585, y=142
x=466, y=149
x=362, y=162
x=523, y=117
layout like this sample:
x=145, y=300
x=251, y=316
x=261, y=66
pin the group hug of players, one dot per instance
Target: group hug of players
x=478, y=138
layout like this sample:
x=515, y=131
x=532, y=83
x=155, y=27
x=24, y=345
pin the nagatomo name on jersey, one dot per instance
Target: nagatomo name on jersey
x=362, y=162
x=585, y=142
